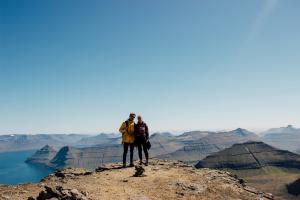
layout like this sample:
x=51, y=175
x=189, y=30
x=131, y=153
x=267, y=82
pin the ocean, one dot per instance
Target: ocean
x=14, y=170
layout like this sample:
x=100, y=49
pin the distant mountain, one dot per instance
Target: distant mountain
x=191, y=146
x=164, y=144
x=250, y=155
x=287, y=138
x=192, y=136
x=92, y=157
x=89, y=157
x=43, y=156
x=100, y=139
x=208, y=143
x=31, y=142
x=287, y=129
x=167, y=134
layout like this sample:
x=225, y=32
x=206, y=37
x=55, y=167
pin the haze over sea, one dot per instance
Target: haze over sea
x=14, y=170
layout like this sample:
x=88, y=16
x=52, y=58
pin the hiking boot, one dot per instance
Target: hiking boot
x=124, y=165
x=141, y=162
x=146, y=163
x=131, y=165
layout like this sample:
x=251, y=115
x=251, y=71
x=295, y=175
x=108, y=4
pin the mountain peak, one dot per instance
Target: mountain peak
x=43, y=156
x=47, y=147
x=241, y=132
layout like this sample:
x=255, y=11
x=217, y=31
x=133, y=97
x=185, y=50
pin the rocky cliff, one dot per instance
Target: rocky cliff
x=43, y=156
x=167, y=180
x=89, y=157
x=294, y=187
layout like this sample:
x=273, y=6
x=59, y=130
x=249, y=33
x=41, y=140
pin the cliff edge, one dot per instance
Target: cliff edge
x=162, y=179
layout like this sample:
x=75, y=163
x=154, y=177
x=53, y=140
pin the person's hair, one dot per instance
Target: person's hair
x=140, y=117
x=132, y=115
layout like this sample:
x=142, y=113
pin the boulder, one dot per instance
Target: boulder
x=59, y=193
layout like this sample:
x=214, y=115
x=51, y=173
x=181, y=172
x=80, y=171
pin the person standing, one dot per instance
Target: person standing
x=141, y=139
x=128, y=138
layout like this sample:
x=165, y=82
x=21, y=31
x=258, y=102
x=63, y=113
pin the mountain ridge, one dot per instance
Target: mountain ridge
x=185, y=147
x=250, y=155
x=197, y=149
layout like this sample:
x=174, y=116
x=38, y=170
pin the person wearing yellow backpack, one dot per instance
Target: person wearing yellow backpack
x=127, y=130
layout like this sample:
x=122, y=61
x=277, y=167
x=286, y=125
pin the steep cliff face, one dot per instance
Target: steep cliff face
x=90, y=157
x=43, y=156
x=251, y=155
x=160, y=180
x=65, y=156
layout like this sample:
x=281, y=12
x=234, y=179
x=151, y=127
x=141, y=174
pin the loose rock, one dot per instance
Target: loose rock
x=59, y=193
x=139, y=170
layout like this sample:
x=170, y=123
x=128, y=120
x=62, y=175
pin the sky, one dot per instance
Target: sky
x=74, y=66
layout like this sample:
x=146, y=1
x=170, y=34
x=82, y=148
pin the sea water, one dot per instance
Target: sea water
x=14, y=170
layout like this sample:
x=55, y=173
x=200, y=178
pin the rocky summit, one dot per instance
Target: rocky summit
x=161, y=179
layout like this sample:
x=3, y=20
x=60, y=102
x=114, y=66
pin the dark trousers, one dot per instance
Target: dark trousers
x=126, y=145
x=141, y=143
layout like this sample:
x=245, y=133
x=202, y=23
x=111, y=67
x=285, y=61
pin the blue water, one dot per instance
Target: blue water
x=14, y=170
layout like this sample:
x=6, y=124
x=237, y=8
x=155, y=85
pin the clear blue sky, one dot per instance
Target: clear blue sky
x=81, y=66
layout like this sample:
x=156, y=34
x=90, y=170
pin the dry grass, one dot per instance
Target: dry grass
x=270, y=179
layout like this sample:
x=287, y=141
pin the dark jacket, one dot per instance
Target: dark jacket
x=141, y=130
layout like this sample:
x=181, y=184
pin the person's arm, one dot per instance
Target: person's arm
x=146, y=131
x=123, y=128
